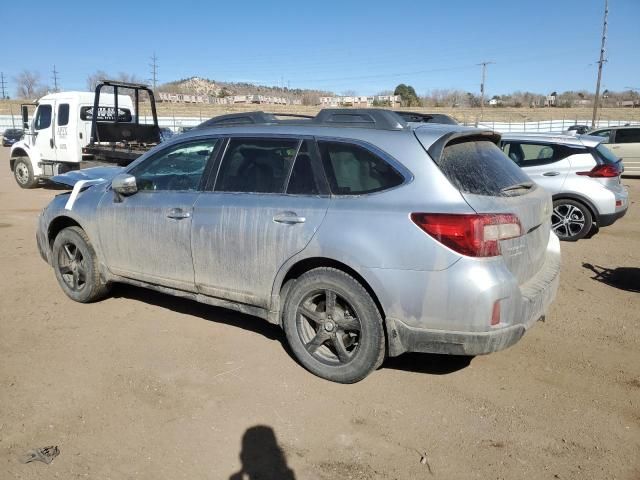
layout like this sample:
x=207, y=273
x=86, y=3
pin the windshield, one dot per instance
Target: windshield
x=606, y=155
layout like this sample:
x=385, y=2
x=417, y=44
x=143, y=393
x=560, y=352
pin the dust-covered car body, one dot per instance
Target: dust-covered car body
x=450, y=241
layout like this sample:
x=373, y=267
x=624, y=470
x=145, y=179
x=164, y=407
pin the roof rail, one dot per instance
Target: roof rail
x=376, y=118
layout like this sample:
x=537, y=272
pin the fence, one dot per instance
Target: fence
x=547, y=126
x=554, y=126
x=174, y=123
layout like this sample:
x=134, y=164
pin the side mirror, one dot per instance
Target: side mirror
x=25, y=118
x=124, y=184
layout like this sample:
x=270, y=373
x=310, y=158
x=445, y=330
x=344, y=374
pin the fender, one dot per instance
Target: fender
x=581, y=199
x=22, y=149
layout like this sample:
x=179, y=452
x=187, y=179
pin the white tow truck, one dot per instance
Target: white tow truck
x=74, y=130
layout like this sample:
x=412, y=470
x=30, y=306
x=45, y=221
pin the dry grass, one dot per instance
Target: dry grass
x=465, y=115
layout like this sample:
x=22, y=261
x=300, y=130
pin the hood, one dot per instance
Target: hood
x=96, y=174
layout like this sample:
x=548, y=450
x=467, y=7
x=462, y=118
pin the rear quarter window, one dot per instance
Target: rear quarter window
x=354, y=170
x=480, y=167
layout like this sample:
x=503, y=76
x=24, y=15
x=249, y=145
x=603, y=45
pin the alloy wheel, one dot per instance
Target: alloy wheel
x=71, y=267
x=329, y=327
x=567, y=220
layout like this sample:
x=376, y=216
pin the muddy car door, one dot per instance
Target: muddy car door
x=266, y=205
x=147, y=235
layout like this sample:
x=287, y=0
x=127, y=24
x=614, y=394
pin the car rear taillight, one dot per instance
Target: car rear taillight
x=602, y=171
x=476, y=235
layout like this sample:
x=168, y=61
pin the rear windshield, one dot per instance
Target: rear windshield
x=481, y=168
x=605, y=155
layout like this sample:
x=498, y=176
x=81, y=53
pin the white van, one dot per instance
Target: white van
x=624, y=142
x=60, y=129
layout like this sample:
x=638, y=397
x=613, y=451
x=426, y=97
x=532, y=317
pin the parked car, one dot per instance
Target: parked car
x=577, y=130
x=624, y=142
x=165, y=134
x=359, y=234
x=419, y=117
x=580, y=172
x=11, y=136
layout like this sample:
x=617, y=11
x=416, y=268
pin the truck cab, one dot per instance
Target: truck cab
x=60, y=130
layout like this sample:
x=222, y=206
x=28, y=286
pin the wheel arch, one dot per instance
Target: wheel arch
x=57, y=225
x=304, y=265
x=579, y=198
x=17, y=152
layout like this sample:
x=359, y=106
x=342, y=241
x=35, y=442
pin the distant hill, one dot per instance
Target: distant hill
x=205, y=86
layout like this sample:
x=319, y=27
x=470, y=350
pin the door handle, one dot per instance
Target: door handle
x=51, y=142
x=178, y=214
x=551, y=174
x=288, y=218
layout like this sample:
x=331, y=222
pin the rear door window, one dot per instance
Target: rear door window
x=534, y=154
x=480, y=167
x=63, y=114
x=353, y=170
x=256, y=165
x=628, y=135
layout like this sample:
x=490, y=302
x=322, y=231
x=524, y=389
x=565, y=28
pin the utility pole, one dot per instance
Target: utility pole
x=596, y=100
x=484, y=74
x=154, y=70
x=3, y=85
x=55, y=79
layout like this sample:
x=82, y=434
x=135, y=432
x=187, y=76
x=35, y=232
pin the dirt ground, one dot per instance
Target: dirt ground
x=147, y=386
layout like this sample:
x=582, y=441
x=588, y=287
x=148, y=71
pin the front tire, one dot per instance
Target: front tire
x=23, y=173
x=333, y=326
x=570, y=220
x=76, y=267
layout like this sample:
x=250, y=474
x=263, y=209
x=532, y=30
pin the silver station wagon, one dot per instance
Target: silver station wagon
x=360, y=234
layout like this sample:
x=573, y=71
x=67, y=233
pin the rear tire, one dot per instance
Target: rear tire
x=571, y=220
x=23, y=173
x=333, y=326
x=76, y=267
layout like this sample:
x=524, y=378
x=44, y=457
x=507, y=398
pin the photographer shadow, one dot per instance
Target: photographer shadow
x=261, y=456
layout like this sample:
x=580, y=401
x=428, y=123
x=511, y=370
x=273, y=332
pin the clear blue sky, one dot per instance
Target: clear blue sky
x=365, y=46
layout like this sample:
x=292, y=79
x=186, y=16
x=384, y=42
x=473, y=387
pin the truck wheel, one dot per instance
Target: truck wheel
x=76, y=266
x=333, y=326
x=24, y=173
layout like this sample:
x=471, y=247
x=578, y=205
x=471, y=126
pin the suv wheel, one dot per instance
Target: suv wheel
x=24, y=173
x=570, y=220
x=76, y=266
x=333, y=326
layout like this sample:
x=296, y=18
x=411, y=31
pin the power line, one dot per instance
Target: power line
x=3, y=85
x=154, y=70
x=482, y=83
x=55, y=79
x=596, y=100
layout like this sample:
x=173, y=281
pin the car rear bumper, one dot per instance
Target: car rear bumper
x=610, y=218
x=527, y=304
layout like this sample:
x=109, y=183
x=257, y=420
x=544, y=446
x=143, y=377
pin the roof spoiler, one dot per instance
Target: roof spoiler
x=437, y=148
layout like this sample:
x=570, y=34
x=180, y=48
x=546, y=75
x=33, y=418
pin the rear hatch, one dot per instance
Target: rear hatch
x=492, y=184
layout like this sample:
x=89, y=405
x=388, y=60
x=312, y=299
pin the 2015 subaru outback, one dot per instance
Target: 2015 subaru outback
x=361, y=235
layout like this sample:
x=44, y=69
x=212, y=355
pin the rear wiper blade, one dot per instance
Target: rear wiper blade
x=517, y=186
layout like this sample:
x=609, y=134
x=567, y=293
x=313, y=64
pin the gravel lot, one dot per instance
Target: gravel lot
x=148, y=386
